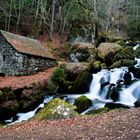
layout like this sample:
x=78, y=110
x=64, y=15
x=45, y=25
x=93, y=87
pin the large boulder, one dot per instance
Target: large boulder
x=96, y=66
x=30, y=99
x=107, y=51
x=123, y=62
x=57, y=109
x=125, y=53
x=82, y=52
x=70, y=80
x=8, y=109
x=82, y=82
x=74, y=69
x=82, y=103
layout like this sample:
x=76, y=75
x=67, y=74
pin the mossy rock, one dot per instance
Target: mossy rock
x=120, y=42
x=98, y=111
x=123, y=62
x=107, y=51
x=30, y=99
x=57, y=109
x=96, y=66
x=126, y=53
x=52, y=87
x=59, y=75
x=8, y=109
x=82, y=103
x=82, y=82
x=137, y=52
x=5, y=96
x=6, y=89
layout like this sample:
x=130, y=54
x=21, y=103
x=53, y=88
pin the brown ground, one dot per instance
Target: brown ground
x=114, y=125
x=16, y=82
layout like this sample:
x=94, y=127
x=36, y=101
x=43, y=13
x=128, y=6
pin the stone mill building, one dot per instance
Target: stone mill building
x=22, y=56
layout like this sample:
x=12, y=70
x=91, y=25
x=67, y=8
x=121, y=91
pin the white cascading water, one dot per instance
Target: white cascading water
x=99, y=89
x=30, y=114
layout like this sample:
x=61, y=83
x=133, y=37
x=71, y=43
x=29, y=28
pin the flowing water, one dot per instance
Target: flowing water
x=102, y=84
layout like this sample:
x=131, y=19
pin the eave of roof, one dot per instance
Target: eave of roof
x=27, y=45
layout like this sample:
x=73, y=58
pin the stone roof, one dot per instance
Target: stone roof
x=27, y=45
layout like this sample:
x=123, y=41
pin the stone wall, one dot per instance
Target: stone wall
x=15, y=63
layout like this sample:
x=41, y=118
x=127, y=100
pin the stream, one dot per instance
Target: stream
x=102, y=84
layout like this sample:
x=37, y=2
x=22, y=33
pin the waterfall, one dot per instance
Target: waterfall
x=25, y=116
x=103, y=83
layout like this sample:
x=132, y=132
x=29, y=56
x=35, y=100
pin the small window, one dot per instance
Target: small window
x=3, y=57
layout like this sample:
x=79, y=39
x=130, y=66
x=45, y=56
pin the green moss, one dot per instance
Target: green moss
x=59, y=75
x=120, y=42
x=137, y=52
x=123, y=62
x=7, y=96
x=52, y=87
x=57, y=109
x=82, y=82
x=82, y=103
x=6, y=89
x=98, y=111
x=95, y=66
x=126, y=53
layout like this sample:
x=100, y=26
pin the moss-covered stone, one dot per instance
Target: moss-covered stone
x=4, y=96
x=52, y=87
x=98, y=111
x=30, y=98
x=6, y=89
x=120, y=42
x=82, y=82
x=8, y=109
x=96, y=66
x=125, y=53
x=82, y=103
x=59, y=75
x=107, y=51
x=123, y=62
x=137, y=52
x=57, y=109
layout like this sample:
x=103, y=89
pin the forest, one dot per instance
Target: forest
x=71, y=18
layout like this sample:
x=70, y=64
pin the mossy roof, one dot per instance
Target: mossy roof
x=27, y=45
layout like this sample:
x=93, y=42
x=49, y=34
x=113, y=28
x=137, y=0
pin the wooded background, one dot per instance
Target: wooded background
x=74, y=17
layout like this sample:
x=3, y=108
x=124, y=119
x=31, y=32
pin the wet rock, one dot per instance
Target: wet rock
x=127, y=78
x=116, y=105
x=8, y=109
x=82, y=103
x=137, y=103
x=30, y=99
x=82, y=82
x=57, y=109
x=98, y=111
